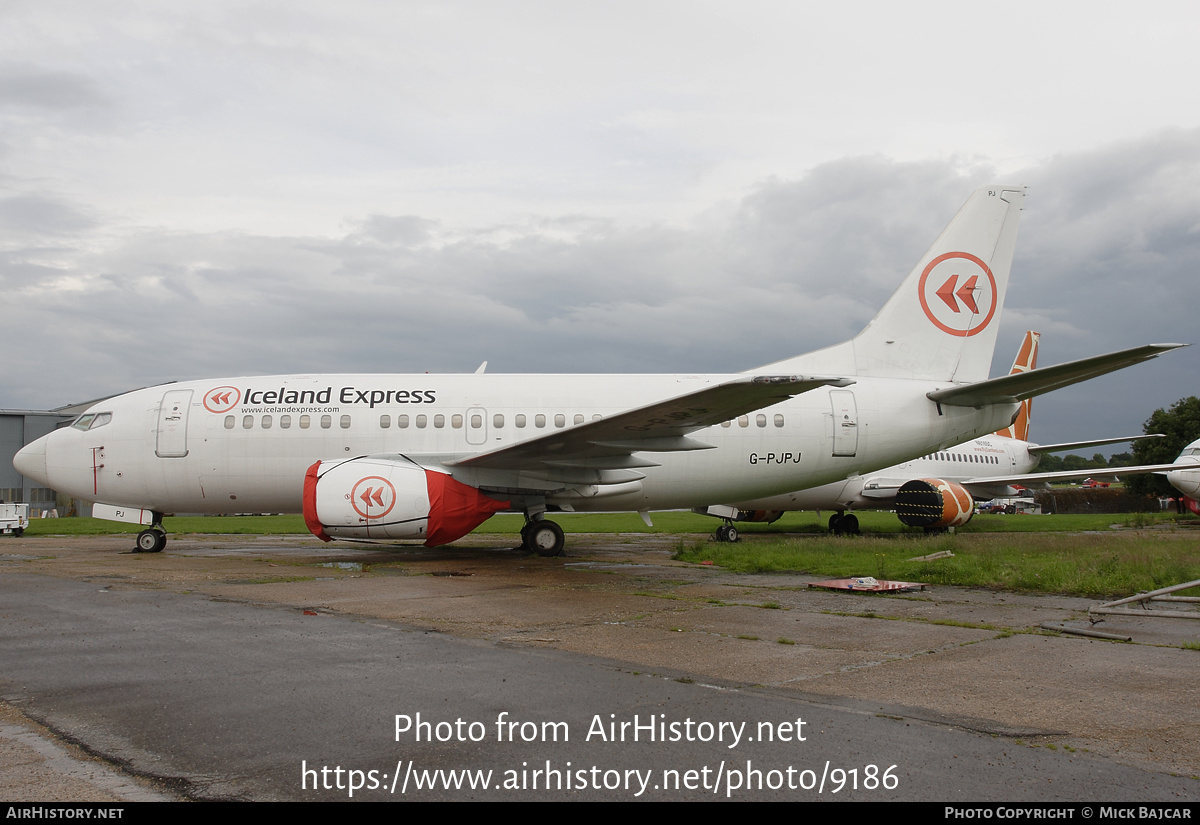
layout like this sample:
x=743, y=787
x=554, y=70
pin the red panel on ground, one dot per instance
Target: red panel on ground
x=455, y=509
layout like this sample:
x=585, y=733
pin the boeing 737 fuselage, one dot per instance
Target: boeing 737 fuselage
x=431, y=457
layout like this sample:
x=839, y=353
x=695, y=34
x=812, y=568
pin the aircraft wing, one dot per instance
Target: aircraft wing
x=1066, y=475
x=609, y=443
x=1022, y=385
x=881, y=489
x=1038, y=449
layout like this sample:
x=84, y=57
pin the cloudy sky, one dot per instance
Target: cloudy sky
x=193, y=190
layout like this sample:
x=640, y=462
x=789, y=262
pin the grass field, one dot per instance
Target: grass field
x=1090, y=564
x=1069, y=554
x=664, y=522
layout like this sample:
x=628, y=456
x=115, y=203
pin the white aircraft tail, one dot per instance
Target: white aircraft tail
x=1025, y=361
x=941, y=323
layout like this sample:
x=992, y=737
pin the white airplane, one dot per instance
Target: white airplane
x=432, y=457
x=937, y=490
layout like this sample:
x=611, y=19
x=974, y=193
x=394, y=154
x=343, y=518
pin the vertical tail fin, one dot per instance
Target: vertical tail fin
x=1025, y=361
x=941, y=324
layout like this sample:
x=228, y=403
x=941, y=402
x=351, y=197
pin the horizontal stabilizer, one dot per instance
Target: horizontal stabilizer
x=1010, y=389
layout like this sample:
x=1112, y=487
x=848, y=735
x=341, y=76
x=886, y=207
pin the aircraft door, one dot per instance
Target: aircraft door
x=845, y=422
x=476, y=425
x=172, y=424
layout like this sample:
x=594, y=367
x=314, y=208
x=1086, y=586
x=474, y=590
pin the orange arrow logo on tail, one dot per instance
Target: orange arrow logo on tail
x=965, y=293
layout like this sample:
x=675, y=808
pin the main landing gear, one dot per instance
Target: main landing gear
x=543, y=537
x=843, y=524
x=727, y=532
x=152, y=540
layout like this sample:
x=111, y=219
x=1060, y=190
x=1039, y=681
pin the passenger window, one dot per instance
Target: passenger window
x=778, y=420
x=385, y=421
x=345, y=422
x=326, y=422
x=267, y=421
x=422, y=420
x=285, y=422
x=597, y=417
x=560, y=420
x=578, y=418
x=439, y=421
x=497, y=420
x=476, y=421
x=726, y=424
x=761, y=419
x=520, y=420
x=247, y=422
x=229, y=422
x=402, y=422
x=304, y=422
x=743, y=421
x=456, y=421
x=539, y=420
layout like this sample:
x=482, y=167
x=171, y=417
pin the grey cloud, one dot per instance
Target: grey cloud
x=33, y=88
x=405, y=230
x=795, y=266
x=40, y=215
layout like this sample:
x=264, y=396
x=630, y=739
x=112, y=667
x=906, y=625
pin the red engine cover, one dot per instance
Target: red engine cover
x=377, y=498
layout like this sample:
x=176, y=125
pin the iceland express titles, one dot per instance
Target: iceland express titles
x=346, y=395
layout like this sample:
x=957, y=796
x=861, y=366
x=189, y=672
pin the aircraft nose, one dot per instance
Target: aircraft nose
x=30, y=461
x=1186, y=481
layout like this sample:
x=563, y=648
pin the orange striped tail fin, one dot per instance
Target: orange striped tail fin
x=1026, y=360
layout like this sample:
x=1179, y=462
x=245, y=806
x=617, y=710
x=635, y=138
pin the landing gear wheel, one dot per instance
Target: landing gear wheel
x=835, y=524
x=544, y=538
x=731, y=534
x=722, y=533
x=151, y=541
x=850, y=524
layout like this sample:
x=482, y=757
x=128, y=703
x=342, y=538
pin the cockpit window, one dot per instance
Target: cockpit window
x=90, y=421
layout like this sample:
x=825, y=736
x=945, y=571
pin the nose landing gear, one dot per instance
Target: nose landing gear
x=152, y=540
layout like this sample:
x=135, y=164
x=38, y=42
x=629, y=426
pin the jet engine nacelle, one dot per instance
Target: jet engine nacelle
x=932, y=502
x=381, y=498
